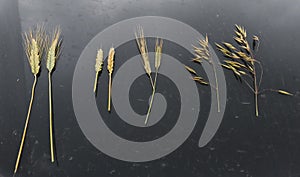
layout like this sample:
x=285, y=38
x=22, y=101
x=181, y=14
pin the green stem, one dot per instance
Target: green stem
x=50, y=118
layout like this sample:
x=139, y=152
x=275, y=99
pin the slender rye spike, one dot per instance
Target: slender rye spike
x=53, y=52
x=98, y=67
x=141, y=41
x=110, y=68
x=34, y=46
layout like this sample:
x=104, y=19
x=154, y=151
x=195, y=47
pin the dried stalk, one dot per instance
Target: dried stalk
x=53, y=51
x=158, y=51
x=34, y=46
x=243, y=64
x=110, y=68
x=142, y=45
x=202, y=53
x=98, y=67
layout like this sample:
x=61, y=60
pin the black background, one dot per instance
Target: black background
x=268, y=146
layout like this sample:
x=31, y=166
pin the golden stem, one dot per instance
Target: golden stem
x=96, y=81
x=109, y=92
x=256, y=91
x=26, y=125
x=152, y=97
x=51, y=118
x=256, y=104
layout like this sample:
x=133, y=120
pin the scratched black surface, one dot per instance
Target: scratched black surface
x=267, y=146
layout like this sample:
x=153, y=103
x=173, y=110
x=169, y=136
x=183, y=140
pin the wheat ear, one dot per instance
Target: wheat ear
x=53, y=51
x=98, y=67
x=34, y=45
x=110, y=68
x=142, y=45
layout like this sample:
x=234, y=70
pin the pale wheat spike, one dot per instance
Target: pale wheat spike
x=98, y=66
x=99, y=61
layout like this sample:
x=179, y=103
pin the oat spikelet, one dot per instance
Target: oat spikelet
x=141, y=41
x=110, y=68
x=202, y=53
x=98, y=67
x=53, y=51
x=34, y=47
x=242, y=62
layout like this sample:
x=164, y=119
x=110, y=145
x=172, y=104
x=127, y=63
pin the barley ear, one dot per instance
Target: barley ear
x=53, y=49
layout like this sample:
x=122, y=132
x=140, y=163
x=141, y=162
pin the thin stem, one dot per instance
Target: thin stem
x=247, y=83
x=109, y=92
x=26, y=125
x=50, y=118
x=261, y=73
x=152, y=96
x=151, y=80
x=96, y=81
x=217, y=85
x=255, y=86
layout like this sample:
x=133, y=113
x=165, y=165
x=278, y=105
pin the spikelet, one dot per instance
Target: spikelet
x=158, y=51
x=141, y=41
x=54, y=49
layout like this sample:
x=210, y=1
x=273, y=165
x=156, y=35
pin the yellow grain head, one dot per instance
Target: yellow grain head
x=110, y=60
x=99, y=61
